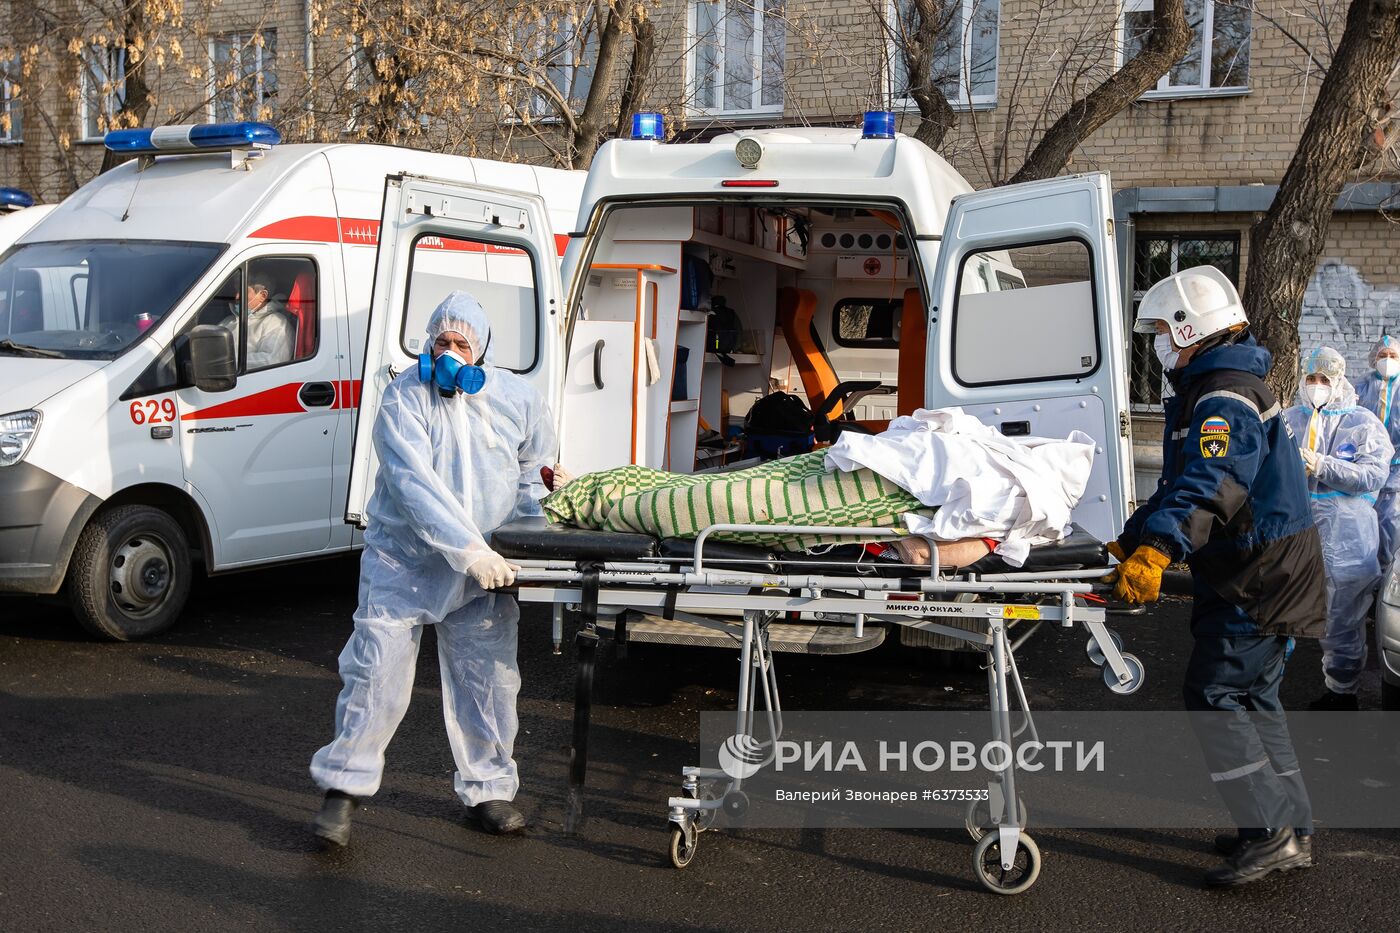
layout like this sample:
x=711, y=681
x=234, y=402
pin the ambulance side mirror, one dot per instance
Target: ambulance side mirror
x=213, y=358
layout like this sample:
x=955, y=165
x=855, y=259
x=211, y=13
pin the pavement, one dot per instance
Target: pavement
x=163, y=786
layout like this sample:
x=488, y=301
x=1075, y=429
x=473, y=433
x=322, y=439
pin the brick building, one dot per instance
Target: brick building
x=1194, y=162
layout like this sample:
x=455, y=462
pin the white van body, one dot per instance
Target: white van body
x=1016, y=286
x=16, y=224
x=256, y=474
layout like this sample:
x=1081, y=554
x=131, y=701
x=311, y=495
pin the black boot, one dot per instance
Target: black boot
x=1227, y=843
x=333, y=822
x=1255, y=858
x=498, y=817
x=1335, y=702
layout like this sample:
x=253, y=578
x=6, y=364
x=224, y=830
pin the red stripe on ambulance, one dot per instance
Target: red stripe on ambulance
x=359, y=232
x=281, y=400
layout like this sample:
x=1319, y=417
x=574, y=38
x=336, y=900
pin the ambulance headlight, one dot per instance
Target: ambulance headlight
x=1391, y=591
x=17, y=431
x=748, y=151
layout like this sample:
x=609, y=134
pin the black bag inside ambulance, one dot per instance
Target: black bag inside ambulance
x=696, y=279
x=722, y=330
x=778, y=425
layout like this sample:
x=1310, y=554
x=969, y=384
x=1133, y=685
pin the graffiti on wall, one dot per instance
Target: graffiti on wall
x=1344, y=311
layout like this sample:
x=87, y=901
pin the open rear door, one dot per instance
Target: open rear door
x=438, y=236
x=1026, y=329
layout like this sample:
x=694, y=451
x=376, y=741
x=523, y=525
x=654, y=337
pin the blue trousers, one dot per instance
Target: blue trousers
x=1231, y=690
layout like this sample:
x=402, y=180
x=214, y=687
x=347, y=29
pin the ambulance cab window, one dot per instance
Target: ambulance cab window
x=1044, y=296
x=270, y=306
x=502, y=278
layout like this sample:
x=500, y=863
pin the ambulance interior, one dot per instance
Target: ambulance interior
x=689, y=314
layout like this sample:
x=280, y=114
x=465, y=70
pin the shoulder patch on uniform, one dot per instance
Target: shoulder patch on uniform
x=1215, y=437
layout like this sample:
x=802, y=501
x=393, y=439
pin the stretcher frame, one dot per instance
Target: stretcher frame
x=743, y=603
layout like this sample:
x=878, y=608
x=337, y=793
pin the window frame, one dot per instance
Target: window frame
x=1094, y=304
x=537, y=287
x=1164, y=89
x=896, y=309
x=117, y=97
x=239, y=44
x=963, y=101
x=759, y=10
x=12, y=108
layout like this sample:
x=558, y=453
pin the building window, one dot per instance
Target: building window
x=737, y=51
x=964, y=57
x=243, y=76
x=11, y=108
x=1217, y=60
x=566, y=45
x=1156, y=256
x=103, y=91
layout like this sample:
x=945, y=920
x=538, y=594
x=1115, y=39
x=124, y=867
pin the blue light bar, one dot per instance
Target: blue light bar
x=648, y=126
x=878, y=124
x=14, y=199
x=199, y=137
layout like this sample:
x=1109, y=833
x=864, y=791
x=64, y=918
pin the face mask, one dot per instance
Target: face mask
x=451, y=374
x=1319, y=395
x=1388, y=367
x=1167, y=354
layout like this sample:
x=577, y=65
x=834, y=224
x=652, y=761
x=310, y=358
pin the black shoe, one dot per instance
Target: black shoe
x=333, y=822
x=1335, y=702
x=498, y=817
x=1227, y=843
x=1255, y=858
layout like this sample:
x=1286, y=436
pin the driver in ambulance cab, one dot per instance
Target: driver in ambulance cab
x=271, y=333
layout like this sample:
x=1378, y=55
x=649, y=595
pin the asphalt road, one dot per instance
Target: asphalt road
x=163, y=786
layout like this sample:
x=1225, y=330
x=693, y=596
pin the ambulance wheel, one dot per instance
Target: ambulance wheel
x=684, y=841
x=1024, y=870
x=130, y=573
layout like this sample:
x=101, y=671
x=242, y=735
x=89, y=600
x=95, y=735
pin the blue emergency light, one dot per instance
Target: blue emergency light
x=648, y=126
x=878, y=124
x=195, y=138
x=13, y=199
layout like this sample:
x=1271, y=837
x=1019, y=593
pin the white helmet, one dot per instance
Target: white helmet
x=1194, y=304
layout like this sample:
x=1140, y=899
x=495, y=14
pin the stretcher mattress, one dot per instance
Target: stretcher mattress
x=537, y=539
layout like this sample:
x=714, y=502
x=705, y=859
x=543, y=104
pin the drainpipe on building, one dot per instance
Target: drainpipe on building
x=308, y=56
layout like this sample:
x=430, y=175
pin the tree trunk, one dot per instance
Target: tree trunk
x=639, y=71
x=936, y=116
x=1284, y=246
x=1168, y=42
x=136, y=95
x=588, y=131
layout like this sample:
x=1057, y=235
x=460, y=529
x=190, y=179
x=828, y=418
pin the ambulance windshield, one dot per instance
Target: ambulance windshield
x=92, y=299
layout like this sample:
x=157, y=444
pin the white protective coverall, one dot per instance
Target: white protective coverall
x=271, y=334
x=1347, y=453
x=451, y=470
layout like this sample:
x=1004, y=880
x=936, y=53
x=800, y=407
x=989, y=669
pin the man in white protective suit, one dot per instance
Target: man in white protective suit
x=460, y=445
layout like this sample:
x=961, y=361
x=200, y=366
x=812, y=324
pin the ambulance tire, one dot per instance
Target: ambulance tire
x=130, y=573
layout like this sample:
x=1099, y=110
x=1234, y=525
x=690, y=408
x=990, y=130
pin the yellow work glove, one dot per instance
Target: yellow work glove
x=1140, y=576
x=1116, y=550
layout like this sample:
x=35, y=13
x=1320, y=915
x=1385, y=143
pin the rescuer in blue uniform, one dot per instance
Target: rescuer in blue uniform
x=1233, y=503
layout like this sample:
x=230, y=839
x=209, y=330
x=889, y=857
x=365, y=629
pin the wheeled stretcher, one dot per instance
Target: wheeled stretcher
x=741, y=590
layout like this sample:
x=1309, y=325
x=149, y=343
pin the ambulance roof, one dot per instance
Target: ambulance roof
x=808, y=163
x=203, y=198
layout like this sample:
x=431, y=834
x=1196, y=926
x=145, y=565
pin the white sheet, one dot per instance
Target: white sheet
x=1019, y=490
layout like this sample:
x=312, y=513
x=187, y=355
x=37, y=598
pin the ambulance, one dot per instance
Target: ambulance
x=145, y=431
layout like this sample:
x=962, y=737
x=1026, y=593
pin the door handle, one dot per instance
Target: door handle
x=317, y=394
x=598, y=364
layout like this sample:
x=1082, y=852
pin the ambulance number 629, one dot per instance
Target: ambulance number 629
x=152, y=411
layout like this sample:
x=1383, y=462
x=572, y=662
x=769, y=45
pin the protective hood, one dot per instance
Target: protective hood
x=1343, y=395
x=462, y=313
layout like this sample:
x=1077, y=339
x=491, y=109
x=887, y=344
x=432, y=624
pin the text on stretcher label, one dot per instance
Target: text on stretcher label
x=1020, y=612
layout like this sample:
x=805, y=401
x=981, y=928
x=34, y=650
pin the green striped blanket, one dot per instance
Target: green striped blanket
x=793, y=491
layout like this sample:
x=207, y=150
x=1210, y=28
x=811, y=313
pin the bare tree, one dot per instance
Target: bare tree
x=928, y=26
x=1351, y=106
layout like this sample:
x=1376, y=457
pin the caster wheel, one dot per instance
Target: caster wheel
x=978, y=819
x=684, y=841
x=1025, y=867
x=736, y=804
x=1095, y=655
x=1134, y=682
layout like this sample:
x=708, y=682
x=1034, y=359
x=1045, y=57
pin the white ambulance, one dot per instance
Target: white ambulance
x=181, y=342
x=855, y=268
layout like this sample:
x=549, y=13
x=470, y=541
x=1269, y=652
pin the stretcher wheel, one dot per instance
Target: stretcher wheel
x=1025, y=868
x=736, y=804
x=685, y=839
x=1134, y=682
x=1091, y=648
x=978, y=819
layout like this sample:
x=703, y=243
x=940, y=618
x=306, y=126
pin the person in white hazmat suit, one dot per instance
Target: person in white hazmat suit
x=1376, y=392
x=1346, y=452
x=453, y=466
